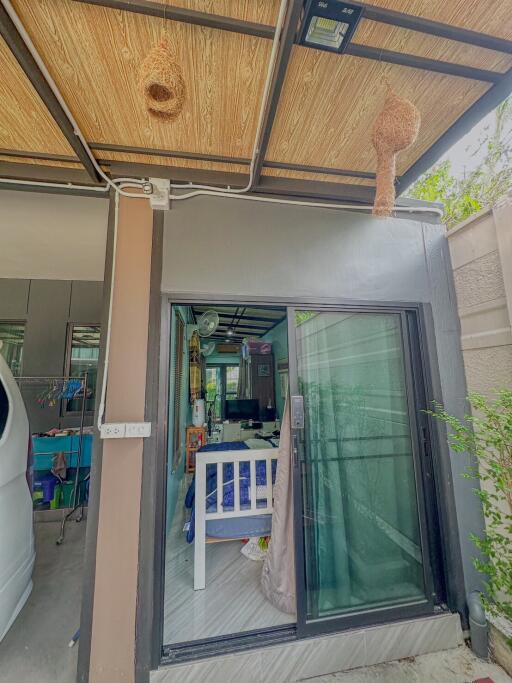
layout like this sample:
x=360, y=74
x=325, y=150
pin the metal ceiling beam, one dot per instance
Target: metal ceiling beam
x=246, y=317
x=176, y=154
x=435, y=28
x=47, y=174
x=189, y=16
x=24, y=154
x=269, y=185
x=171, y=154
x=460, y=70
x=10, y=34
x=377, y=14
x=483, y=106
x=283, y=57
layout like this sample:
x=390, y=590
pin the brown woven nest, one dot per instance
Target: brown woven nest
x=395, y=128
x=162, y=84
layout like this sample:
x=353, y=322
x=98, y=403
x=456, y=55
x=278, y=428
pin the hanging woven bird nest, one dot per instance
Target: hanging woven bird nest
x=395, y=129
x=161, y=82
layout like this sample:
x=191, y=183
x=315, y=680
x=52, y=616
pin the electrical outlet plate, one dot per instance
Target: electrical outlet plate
x=125, y=430
x=159, y=199
x=113, y=430
x=138, y=430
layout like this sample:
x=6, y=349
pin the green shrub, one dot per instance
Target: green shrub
x=487, y=435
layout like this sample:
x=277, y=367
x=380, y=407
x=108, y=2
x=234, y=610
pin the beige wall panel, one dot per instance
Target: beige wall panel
x=479, y=281
x=329, y=103
x=473, y=238
x=25, y=123
x=503, y=220
x=481, y=254
x=423, y=45
x=491, y=17
x=94, y=54
x=488, y=369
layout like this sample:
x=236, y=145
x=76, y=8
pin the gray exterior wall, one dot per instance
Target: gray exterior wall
x=229, y=247
x=47, y=307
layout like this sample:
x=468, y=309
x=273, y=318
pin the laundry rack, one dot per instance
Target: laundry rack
x=56, y=389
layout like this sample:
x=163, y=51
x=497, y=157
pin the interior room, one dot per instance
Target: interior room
x=229, y=380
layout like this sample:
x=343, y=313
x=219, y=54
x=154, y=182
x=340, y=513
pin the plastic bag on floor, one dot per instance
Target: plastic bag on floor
x=256, y=548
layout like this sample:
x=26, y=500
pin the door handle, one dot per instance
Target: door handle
x=297, y=412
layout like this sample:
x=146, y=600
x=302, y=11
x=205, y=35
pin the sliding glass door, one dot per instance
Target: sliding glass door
x=360, y=532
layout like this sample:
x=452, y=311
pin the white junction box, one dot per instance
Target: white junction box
x=125, y=430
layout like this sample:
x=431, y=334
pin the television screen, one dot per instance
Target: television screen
x=242, y=409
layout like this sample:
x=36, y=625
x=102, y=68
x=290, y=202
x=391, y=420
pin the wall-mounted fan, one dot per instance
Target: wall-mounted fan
x=208, y=349
x=208, y=323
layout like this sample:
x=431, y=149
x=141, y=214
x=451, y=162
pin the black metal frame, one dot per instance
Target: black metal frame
x=10, y=34
x=502, y=86
x=436, y=568
x=67, y=365
x=433, y=580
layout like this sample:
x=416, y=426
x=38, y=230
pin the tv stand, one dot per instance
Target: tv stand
x=232, y=431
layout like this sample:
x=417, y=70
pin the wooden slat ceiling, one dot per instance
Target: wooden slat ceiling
x=326, y=108
x=491, y=17
x=259, y=11
x=25, y=123
x=338, y=100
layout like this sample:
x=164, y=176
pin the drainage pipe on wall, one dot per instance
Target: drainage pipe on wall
x=478, y=626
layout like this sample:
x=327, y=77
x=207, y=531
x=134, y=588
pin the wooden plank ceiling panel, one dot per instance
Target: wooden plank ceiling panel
x=94, y=54
x=25, y=123
x=258, y=11
x=171, y=162
x=41, y=162
x=487, y=16
x=322, y=177
x=336, y=99
x=399, y=39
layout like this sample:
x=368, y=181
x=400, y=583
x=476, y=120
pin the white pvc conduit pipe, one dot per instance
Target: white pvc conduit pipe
x=118, y=184
x=266, y=91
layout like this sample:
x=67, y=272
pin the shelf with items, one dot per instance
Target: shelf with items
x=58, y=453
x=196, y=439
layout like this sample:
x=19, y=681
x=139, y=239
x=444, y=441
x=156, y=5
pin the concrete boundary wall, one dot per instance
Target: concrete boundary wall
x=481, y=253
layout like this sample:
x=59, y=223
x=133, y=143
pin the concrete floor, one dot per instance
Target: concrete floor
x=450, y=666
x=36, y=647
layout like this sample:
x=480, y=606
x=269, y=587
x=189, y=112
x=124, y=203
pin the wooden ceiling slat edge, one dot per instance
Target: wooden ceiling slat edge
x=175, y=154
x=483, y=106
x=415, y=62
x=44, y=156
x=435, y=28
x=283, y=58
x=189, y=16
x=372, y=13
x=22, y=54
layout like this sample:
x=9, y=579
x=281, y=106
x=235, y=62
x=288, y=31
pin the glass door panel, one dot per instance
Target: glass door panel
x=361, y=545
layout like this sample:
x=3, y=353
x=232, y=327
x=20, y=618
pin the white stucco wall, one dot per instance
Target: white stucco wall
x=53, y=237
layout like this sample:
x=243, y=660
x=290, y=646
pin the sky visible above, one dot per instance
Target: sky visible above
x=465, y=154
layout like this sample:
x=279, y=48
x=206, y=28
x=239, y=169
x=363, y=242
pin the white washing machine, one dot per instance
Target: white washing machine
x=17, y=551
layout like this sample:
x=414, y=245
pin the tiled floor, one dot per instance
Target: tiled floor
x=453, y=666
x=323, y=655
x=232, y=600
x=36, y=646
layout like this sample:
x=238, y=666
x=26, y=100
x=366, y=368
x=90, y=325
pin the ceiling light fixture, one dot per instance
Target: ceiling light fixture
x=329, y=24
x=230, y=332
